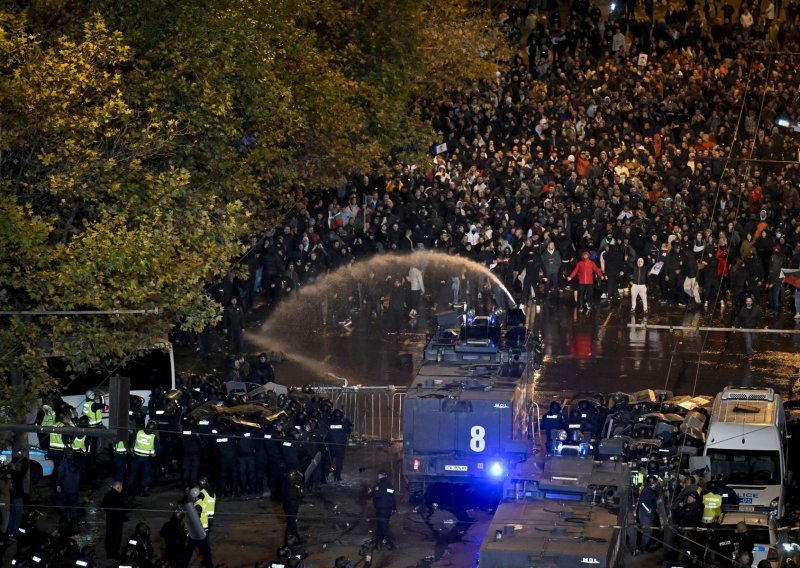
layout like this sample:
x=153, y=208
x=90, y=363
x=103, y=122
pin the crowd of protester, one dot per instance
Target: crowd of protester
x=676, y=143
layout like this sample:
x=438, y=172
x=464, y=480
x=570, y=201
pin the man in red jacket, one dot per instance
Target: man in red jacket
x=585, y=269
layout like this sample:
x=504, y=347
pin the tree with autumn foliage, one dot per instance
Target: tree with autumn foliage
x=140, y=142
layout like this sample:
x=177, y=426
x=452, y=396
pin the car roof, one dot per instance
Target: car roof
x=731, y=518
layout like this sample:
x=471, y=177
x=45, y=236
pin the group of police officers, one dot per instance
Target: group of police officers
x=687, y=510
x=278, y=446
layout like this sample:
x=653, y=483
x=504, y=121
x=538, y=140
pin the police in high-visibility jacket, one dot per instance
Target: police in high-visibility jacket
x=145, y=443
x=144, y=450
x=120, y=461
x=48, y=415
x=637, y=478
x=79, y=444
x=712, y=507
x=207, y=503
x=93, y=409
x=57, y=443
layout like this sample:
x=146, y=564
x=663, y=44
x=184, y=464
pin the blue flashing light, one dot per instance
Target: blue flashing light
x=496, y=469
x=491, y=318
x=470, y=318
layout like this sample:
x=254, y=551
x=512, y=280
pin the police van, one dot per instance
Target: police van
x=747, y=442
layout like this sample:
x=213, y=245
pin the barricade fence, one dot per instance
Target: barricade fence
x=376, y=412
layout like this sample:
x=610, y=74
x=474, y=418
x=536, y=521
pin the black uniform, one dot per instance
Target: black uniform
x=274, y=466
x=383, y=499
x=246, y=462
x=226, y=463
x=292, y=493
x=553, y=420
x=174, y=534
x=339, y=428
x=192, y=457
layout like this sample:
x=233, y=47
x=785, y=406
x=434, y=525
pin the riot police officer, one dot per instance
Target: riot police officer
x=291, y=495
x=174, y=534
x=192, y=452
x=647, y=509
x=297, y=554
x=246, y=461
x=552, y=422
x=145, y=447
x=384, y=501
x=226, y=461
x=260, y=461
x=273, y=435
x=167, y=415
x=136, y=412
x=729, y=496
x=139, y=547
x=291, y=449
x=575, y=426
x=339, y=429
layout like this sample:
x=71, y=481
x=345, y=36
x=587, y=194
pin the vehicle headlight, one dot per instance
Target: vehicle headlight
x=774, y=503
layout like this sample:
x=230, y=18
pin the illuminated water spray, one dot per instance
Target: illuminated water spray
x=295, y=315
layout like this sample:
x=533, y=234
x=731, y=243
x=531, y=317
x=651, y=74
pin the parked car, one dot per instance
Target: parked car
x=40, y=463
x=762, y=529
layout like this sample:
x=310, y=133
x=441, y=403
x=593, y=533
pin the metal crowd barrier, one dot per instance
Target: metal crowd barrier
x=376, y=412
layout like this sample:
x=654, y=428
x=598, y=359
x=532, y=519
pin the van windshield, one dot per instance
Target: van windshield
x=746, y=467
x=149, y=369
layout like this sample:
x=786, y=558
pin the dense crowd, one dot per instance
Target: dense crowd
x=685, y=157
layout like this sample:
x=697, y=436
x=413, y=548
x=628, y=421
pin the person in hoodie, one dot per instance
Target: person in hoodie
x=585, y=270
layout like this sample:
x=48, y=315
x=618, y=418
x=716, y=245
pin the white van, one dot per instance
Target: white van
x=150, y=368
x=747, y=443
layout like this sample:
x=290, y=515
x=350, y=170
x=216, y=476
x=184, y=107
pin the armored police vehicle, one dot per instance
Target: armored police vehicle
x=467, y=419
x=566, y=510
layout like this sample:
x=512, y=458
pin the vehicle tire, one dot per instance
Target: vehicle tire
x=35, y=472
